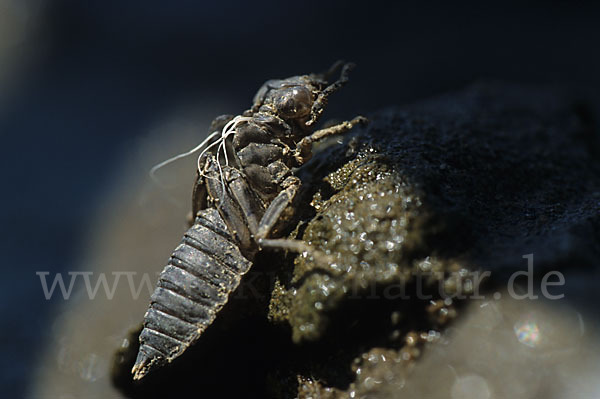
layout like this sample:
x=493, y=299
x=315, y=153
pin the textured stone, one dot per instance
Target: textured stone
x=426, y=195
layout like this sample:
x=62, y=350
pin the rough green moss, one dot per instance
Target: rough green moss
x=370, y=238
x=364, y=229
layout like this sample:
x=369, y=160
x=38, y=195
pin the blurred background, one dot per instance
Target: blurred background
x=92, y=94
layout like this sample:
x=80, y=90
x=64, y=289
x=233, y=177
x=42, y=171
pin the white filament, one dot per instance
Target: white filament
x=228, y=129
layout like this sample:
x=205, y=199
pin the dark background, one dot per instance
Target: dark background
x=98, y=73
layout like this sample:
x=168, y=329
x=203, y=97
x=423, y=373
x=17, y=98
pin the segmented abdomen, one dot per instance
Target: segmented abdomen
x=197, y=281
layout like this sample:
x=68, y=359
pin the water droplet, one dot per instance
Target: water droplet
x=527, y=332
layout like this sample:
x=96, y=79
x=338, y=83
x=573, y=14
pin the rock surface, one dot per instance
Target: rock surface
x=423, y=200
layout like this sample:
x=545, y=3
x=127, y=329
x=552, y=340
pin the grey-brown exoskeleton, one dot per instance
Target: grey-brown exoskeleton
x=245, y=183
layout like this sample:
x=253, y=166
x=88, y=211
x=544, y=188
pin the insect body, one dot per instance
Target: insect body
x=243, y=187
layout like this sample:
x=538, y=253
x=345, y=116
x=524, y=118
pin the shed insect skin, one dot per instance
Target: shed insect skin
x=239, y=198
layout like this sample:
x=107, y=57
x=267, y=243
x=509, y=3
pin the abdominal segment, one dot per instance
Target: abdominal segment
x=201, y=273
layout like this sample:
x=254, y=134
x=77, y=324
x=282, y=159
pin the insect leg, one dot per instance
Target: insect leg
x=298, y=246
x=303, y=150
x=275, y=210
x=229, y=208
x=272, y=216
x=248, y=201
x=338, y=65
x=321, y=101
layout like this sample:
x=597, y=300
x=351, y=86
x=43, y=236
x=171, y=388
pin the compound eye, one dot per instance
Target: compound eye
x=293, y=102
